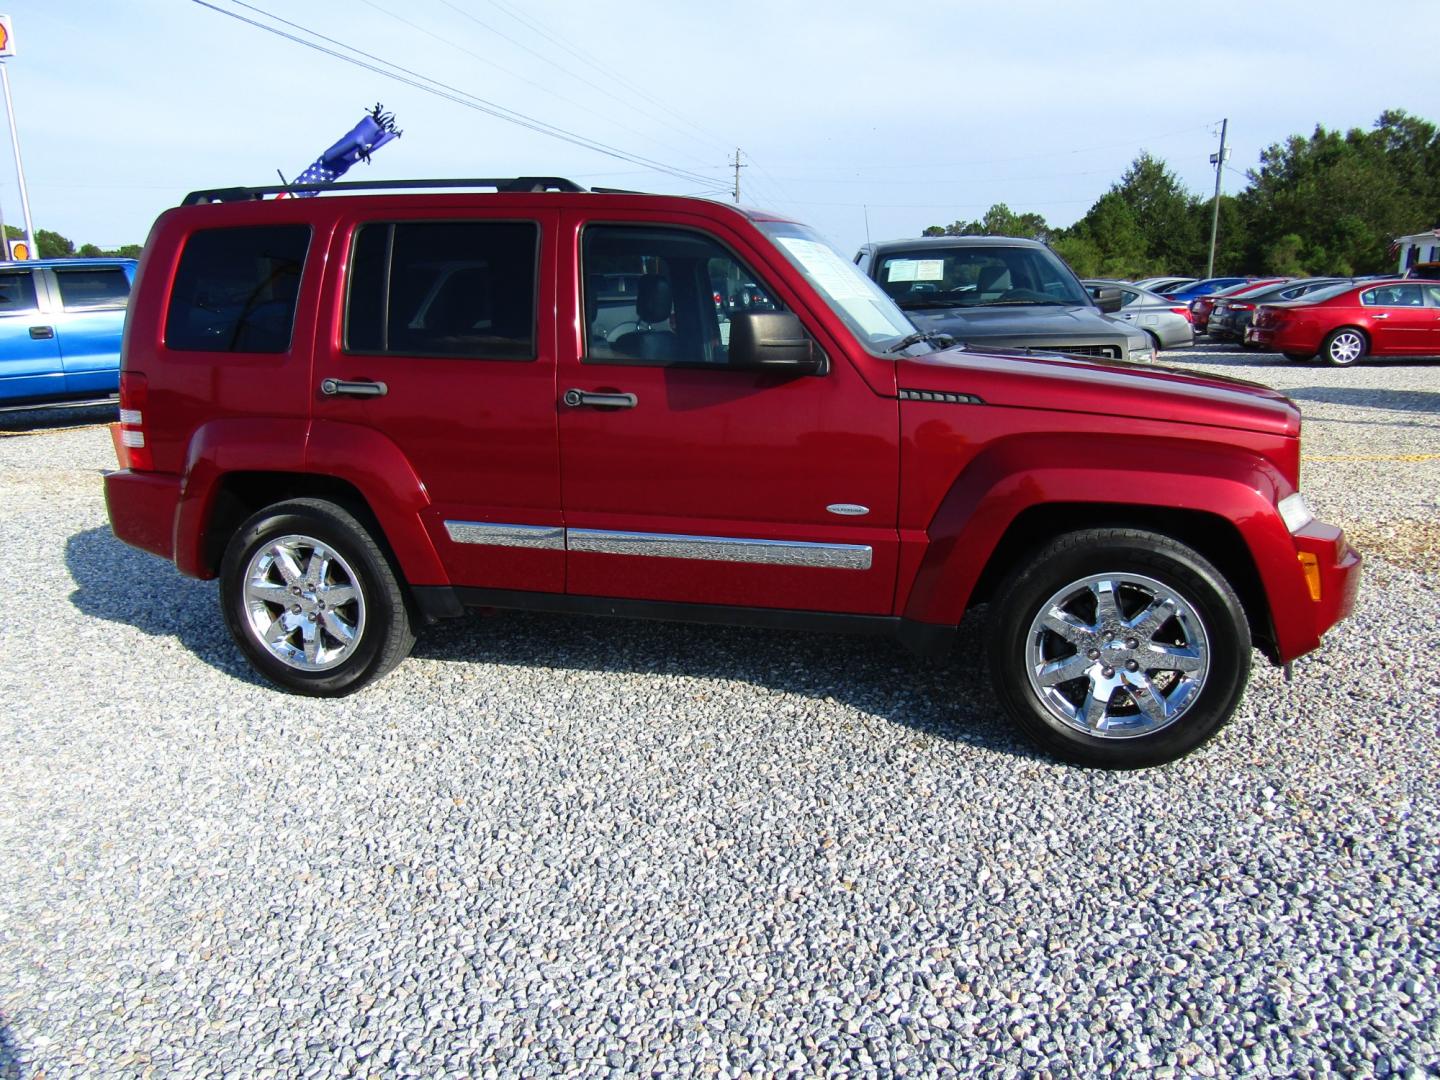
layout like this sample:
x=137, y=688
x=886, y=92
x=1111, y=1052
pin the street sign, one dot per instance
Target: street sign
x=7, y=37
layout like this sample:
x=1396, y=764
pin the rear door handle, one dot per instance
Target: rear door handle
x=42, y=333
x=578, y=398
x=1380, y=315
x=360, y=388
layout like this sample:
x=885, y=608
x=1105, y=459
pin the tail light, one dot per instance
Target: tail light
x=1182, y=311
x=130, y=445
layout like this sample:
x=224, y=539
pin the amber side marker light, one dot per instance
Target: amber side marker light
x=1311, y=566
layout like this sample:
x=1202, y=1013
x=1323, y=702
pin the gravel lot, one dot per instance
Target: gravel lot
x=548, y=846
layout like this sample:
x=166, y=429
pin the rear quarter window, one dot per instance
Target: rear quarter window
x=235, y=290
x=98, y=287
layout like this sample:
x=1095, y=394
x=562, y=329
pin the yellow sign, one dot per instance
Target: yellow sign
x=19, y=250
x=7, y=37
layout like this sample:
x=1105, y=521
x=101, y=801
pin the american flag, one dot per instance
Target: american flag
x=358, y=144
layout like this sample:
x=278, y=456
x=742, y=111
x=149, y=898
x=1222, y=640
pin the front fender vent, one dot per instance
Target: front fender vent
x=945, y=396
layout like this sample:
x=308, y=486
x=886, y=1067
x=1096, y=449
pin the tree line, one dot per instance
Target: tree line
x=1331, y=203
x=51, y=245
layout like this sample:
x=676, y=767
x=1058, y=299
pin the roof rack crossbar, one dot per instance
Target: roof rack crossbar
x=505, y=184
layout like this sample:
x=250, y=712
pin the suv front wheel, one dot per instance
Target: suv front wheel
x=311, y=599
x=1118, y=648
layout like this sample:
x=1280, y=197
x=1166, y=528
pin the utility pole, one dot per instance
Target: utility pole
x=1218, y=160
x=738, y=167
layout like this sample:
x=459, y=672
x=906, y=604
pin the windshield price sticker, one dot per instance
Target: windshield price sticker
x=915, y=270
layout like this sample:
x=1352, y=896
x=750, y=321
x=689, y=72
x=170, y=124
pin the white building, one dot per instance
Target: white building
x=1420, y=248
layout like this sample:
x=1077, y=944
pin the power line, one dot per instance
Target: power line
x=597, y=65
x=566, y=69
x=445, y=90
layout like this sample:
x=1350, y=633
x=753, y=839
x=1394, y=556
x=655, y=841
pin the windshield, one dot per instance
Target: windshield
x=934, y=276
x=869, y=313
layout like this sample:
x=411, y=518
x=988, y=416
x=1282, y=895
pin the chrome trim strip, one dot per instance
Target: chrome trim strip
x=545, y=537
x=722, y=549
x=848, y=509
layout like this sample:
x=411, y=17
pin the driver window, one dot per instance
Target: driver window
x=663, y=296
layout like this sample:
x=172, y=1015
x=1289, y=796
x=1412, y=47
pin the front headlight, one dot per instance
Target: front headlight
x=1294, y=512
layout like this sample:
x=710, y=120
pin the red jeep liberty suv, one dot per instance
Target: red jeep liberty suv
x=366, y=411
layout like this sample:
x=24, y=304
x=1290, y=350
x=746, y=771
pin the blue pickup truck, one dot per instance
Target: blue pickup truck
x=60, y=325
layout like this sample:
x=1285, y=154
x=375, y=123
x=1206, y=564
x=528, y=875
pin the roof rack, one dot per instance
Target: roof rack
x=505, y=184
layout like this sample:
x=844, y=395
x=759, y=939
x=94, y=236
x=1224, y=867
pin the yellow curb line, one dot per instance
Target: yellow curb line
x=1370, y=457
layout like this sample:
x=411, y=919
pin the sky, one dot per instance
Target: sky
x=856, y=119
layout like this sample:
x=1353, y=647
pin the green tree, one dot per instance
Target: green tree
x=51, y=245
x=1345, y=196
x=999, y=220
x=1165, y=215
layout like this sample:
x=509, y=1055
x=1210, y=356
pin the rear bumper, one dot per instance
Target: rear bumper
x=142, y=509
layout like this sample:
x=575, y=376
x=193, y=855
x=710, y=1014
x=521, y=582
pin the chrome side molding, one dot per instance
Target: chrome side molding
x=664, y=545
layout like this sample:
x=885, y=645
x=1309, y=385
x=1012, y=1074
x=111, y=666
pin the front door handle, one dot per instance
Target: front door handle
x=577, y=398
x=361, y=388
x=1380, y=315
x=42, y=333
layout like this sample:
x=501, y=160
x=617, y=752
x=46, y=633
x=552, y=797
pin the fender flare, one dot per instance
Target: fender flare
x=359, y=456
x=1019, y=474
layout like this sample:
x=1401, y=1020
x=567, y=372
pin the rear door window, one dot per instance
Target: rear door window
x=92, y=287
x=235, y=290
x=444, y=288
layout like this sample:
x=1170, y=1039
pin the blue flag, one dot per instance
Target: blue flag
x=377, y=129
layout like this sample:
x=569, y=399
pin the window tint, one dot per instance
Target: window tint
x=663, y=296
x=444, y=289
x=17, y=292
x=105, y=286
x=235, y=290
x=1433, y=292
x=1393, y=296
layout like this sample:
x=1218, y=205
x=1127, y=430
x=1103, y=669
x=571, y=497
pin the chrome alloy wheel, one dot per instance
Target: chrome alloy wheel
x=1117, y=656
x=1346, y=347
x=302, y=603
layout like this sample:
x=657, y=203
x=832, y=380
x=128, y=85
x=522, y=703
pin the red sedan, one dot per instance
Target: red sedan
x=1201, y=306
x=1347, y=322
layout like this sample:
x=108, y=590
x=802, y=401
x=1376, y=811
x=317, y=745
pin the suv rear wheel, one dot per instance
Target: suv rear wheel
x=1118, y=648
x=311, y=599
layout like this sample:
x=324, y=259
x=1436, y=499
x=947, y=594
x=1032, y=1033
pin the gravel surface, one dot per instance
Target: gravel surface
x=549, y=846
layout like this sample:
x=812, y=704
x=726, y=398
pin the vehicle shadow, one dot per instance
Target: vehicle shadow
x=1399, y=400
x=24, y=422
x=950, y=698
x=121, y=584
x=9, y=1059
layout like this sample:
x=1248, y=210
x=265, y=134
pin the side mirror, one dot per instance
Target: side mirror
x=771, y=341
x=1108, y=300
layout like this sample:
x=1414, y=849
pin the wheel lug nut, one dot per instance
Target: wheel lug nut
x=294, y=609
x=1093, y=654
x=1131, y=665
x=1131, y=643
x=1107, y=672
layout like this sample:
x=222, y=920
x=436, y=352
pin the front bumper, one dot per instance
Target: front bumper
x=1331, y=568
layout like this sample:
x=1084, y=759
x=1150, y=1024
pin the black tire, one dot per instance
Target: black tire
x=1299, y=357
x=1154, y=343
x=319, y=650
x=1345, y=346
x=1208, y=622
